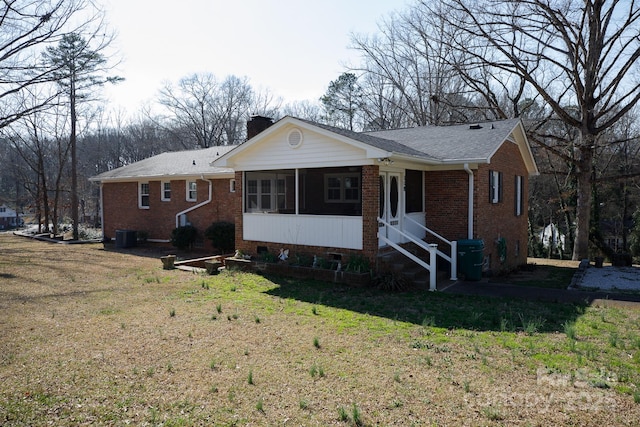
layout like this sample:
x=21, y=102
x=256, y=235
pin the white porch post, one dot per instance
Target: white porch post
x=454, y=260
x=297, y=197
x=432, y=269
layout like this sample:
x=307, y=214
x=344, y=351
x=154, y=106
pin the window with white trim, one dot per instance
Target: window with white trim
x=267, y=191
x=166, y=191
x=519, y=185
x=143, y=195
x=232, y=185
x=192, y=191
x=495, y=186
x=342, y=188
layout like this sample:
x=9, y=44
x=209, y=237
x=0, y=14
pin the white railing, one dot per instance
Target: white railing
x=453, y=258
x=431, y=248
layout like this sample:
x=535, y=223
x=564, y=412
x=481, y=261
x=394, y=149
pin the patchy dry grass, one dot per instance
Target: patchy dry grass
x=89, y=336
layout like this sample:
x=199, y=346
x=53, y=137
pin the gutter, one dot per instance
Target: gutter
x=470, y=209
x=199, y=205
x=101, y=211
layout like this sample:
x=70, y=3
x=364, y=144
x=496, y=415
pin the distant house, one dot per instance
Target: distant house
x=551, y=237
x=9, y=218
x=160, y=193
x=313, y=188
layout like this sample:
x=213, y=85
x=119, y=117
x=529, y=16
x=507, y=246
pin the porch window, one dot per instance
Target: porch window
x=495, y=186
x=270, y=191
x=192, y=191
x=143, y=195
x=166, y=191
x=342, y=188
x=518, y=196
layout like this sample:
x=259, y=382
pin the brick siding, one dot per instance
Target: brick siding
x=121, y=211
x=447, y=207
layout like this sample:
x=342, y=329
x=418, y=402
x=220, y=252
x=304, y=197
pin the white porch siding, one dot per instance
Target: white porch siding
x=309, y=230
x=315, y=151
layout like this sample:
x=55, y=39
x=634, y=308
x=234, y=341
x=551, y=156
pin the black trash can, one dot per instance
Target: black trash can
x=470, y=258
x=126, y=238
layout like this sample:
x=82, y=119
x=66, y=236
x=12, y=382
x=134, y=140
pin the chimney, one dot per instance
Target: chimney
x=257, y=124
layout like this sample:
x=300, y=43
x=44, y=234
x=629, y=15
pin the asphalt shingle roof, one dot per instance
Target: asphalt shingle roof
x=458, y=143
x=171, y=164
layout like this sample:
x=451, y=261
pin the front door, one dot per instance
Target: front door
x=391, y=206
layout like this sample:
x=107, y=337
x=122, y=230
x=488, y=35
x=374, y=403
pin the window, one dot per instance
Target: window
x=518, y=196
x=192, y=191
x=3, y=209
x=267, y=192
x=143, y=195
x=232, y=185
x=166, y=191
x=342, y=188
x=495, y=187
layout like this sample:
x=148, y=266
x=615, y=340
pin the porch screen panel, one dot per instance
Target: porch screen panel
x=331, y=191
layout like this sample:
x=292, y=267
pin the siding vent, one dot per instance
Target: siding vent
x=294, y=138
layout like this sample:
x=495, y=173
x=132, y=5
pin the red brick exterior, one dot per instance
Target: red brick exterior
x=498, y=220
x=446, y=203
x=447, y=208
x=121, y=211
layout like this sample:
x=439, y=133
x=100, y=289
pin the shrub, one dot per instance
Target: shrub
x=183, y=237
x=222, y=235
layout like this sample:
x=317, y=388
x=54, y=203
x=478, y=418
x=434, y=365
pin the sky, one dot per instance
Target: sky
x=292, y=48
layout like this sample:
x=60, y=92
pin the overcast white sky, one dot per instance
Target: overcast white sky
x=293, y=48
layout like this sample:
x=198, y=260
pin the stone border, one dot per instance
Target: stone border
x=579, y=274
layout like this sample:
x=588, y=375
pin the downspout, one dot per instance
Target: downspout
x=102, y=209
x=199, y=205
x=470, y=211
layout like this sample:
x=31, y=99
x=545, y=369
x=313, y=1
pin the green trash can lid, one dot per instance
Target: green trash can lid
x=471, y=242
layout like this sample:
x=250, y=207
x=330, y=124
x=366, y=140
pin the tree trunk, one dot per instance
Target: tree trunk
x=584, y=163
x=74, y=164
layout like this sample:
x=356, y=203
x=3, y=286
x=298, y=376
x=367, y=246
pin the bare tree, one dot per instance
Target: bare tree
x=27, y=27
x=579, y=56
x=409, y=71
x=303, y=109
x=204, y=112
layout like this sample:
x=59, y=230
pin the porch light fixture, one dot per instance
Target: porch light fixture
x=385, y=161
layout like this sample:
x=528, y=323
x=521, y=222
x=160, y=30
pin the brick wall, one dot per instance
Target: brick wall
x=498, y=220
x=121, y=211
x=447, y=207
x=446, y=203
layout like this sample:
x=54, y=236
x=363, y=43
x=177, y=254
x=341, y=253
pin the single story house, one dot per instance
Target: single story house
x=313, y=188
x=158, y=194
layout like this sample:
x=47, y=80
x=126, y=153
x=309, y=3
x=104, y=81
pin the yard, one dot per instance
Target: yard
x=89, y=336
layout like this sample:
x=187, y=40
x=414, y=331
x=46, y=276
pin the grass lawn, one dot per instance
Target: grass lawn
x=89, y=336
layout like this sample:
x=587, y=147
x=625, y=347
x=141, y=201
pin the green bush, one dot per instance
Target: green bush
x=183, y=237
x=222, y=235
